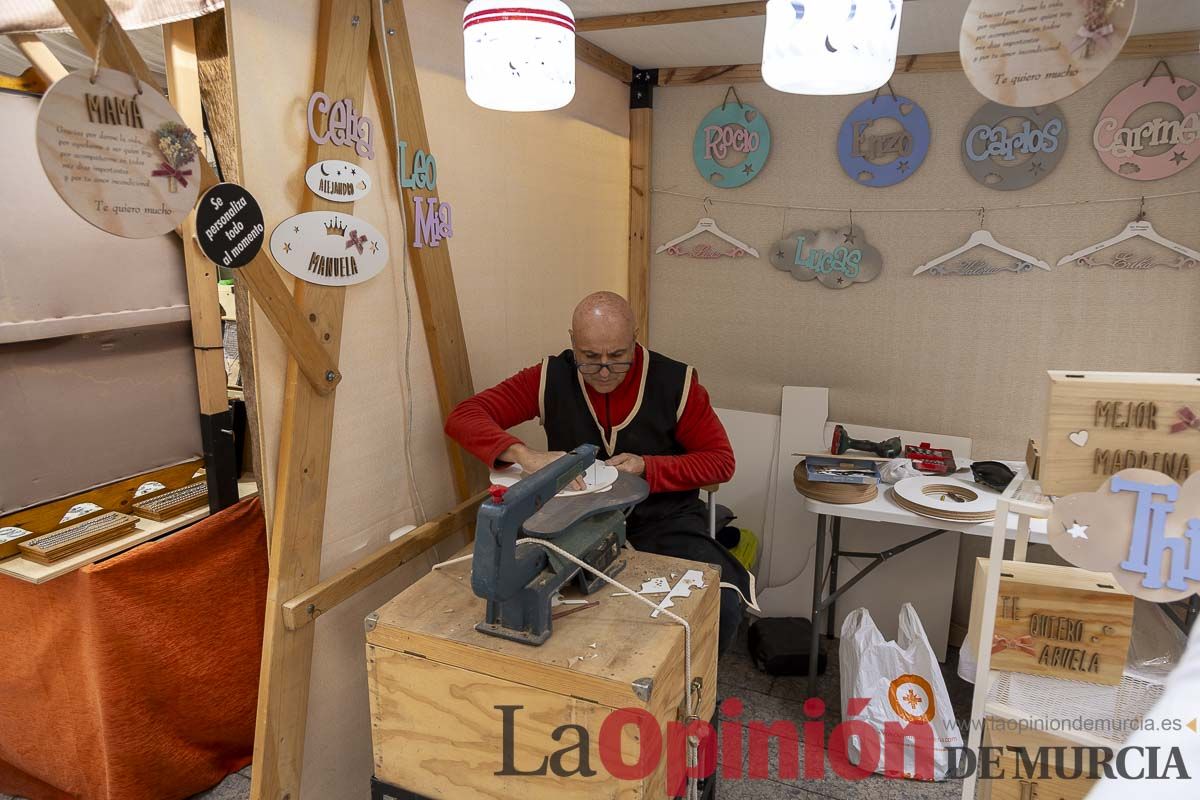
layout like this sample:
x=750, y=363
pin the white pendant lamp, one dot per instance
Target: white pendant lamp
x=519, y=54
x=830, y=46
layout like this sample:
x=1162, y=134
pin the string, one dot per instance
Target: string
x=100, y=45
x=101, y=40
x=128, y=59
x=381, y=32
x=929, y=209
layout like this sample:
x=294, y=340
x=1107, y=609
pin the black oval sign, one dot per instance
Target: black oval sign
x=229, y=225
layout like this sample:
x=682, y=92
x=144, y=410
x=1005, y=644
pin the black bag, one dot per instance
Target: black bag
x=780, y=646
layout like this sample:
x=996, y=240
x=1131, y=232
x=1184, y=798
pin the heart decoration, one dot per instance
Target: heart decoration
x=1185, y=92
x=1079, y=438
x=905, y=108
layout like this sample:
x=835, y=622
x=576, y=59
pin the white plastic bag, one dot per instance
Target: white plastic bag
x=903, y=684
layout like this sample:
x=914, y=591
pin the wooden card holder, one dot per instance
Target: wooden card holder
x=167, y=503
x=77, y=537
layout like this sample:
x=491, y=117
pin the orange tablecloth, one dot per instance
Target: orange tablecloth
x=136, y=678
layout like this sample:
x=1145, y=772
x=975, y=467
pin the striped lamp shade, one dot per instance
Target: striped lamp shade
x=519, y=54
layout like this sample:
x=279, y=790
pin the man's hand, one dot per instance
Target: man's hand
x=628, y=462
x=531, y=461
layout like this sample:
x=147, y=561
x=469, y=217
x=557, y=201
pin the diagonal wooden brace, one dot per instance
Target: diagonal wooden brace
x=86, y=18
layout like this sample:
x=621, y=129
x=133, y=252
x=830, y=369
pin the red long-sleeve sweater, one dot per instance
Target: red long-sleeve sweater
x=479, y=424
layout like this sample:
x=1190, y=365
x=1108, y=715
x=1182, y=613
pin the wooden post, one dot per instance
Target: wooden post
x=34, y=49
x=301, y=484
x=216, y=420
x=641, y=128
x=430, y=265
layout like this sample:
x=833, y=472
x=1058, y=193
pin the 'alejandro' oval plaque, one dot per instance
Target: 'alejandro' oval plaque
x=1011, y=148
x=329, y=248
x=339, y=181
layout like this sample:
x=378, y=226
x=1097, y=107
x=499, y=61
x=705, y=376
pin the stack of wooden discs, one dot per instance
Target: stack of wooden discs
x=945, y=499
x=840, y=493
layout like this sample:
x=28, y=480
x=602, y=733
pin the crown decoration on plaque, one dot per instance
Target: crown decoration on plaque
x=329, y=248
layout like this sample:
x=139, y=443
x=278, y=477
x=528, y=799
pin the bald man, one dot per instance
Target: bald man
x=649, y=416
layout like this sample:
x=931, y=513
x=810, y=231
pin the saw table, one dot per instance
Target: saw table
x=438, y=686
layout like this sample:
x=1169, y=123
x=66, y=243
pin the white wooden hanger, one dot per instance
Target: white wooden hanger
x=983, y=237
x=709, y=225
x=1139, y=227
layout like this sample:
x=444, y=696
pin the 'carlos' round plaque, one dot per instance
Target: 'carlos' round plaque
x=117, y=153
x=1011, y=148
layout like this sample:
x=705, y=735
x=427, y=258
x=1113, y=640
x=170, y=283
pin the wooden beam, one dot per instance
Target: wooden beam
x=39, y=55
x=672, y=16
x=305, y=439
x=183, y=87
x=641, y=124
x=86, y=18
x=1154, y=45
x=326, y=595
x=602, y=60
x=431, y=270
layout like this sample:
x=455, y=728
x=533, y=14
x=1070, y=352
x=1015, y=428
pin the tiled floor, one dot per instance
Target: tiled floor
x=765, y=699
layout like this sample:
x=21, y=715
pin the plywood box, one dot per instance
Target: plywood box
x=439, y=689
x=1061, y=622
x=1099, y=423
x=1025, y=779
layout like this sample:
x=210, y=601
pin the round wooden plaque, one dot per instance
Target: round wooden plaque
x=123, y=161
x=1027, y=53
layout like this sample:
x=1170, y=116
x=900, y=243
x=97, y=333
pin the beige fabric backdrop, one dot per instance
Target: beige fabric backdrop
x=540, y=216
x=964, y=356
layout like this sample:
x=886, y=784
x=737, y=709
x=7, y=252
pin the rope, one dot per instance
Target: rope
x=405, y=376
x=693, y=744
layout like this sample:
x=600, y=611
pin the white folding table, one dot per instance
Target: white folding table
x=883, y=509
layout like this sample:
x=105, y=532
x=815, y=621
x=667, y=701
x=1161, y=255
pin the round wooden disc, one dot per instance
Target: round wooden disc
x=945, y=497
x=99, y=146
x=1022, y=54
x=839, y=493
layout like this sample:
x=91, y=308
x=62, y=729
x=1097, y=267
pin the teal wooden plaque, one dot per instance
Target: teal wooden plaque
x=726, y=131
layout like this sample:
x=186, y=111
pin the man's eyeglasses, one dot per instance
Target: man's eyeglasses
x=615, y=367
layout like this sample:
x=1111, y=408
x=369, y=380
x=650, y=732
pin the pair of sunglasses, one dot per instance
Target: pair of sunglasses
x=992, y=474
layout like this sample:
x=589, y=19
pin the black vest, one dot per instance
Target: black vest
x=650, y=431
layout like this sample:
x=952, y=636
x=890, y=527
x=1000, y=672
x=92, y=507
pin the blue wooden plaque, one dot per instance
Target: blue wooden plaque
x=875, y=152
x=727, y=130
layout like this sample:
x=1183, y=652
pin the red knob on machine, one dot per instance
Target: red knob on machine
x=497, y=493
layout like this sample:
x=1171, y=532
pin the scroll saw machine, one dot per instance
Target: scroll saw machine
x=519, y=582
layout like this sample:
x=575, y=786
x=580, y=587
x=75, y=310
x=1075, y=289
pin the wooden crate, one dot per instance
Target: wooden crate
x=1062, y=622
x=1099, y=423
x=1017, y=783
x=435, y=684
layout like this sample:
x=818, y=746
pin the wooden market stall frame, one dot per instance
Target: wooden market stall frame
x=309, y=320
